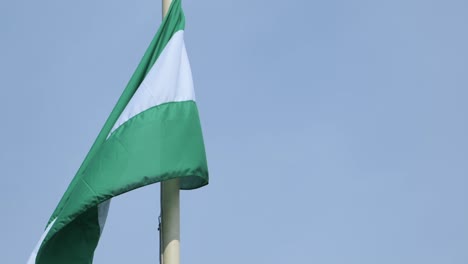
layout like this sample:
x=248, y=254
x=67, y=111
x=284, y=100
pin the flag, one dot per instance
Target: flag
x=152, y=134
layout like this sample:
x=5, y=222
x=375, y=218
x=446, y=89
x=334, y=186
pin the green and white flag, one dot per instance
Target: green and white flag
x=153, y=134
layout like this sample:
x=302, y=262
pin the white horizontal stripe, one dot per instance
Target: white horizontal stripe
x=32, y=258
x=169, y=80
x=103, y=209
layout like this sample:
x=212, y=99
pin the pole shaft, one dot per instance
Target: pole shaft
x=165, y=7
x=170, y=220
x=170, y=206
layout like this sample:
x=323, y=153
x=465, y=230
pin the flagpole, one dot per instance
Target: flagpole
x=170, y=207
x=165, y=7
x=170, y=222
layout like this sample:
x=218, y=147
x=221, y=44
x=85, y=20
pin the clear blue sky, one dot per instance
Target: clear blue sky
x=336, y=131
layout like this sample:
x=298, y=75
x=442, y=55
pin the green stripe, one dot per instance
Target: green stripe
x=161, y=143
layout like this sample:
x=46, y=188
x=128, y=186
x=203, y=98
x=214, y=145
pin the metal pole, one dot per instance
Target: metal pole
x=170, y=207
x=170, y=221
x=165, y=6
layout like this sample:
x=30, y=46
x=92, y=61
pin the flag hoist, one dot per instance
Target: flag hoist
x=153, y=134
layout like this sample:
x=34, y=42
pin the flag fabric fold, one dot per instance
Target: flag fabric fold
x=152, y=134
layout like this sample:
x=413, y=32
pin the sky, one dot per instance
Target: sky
x=335, y=131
